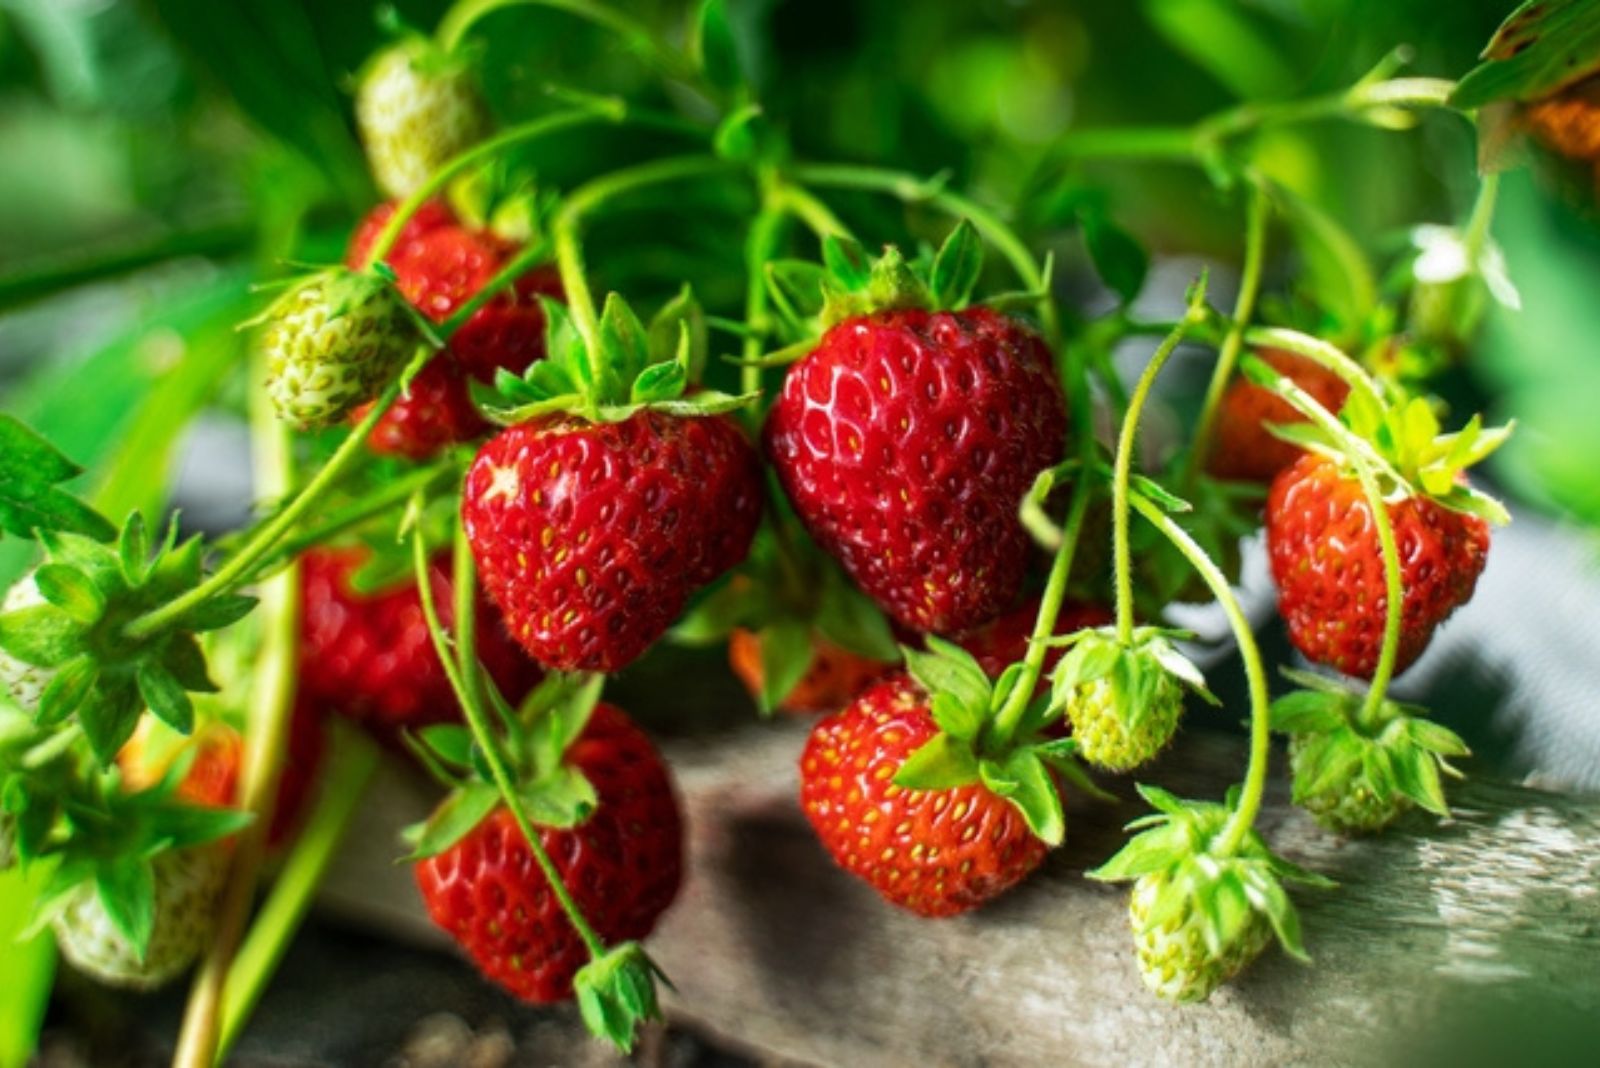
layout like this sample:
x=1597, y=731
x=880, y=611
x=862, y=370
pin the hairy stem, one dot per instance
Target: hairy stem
x=528, y=257
x=353, y=760
x=1321, y=352
x=1255, y=779
x=762, y=242
x=1243, y=307
x=811, y=210
x=1123, y=557
x=266, y=744
x=483, y=733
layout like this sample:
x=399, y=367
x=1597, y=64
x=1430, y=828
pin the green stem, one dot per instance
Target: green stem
x=1243, y=308
x=241, y=565
x=584, y=199
x=464, y=590
x=1255, y=780
x=485, y=150
x=461, y=18
x=811, y=210
x=483, y=733
x=1123, y=473
x=762, y=242
x=1394, y=592
x=912, y=189
x=1044, y=624
x=1318, y=351
x=1128, y=142
x=527, y=257
x=271, y=706
x=344, y=784
x=1476, y=236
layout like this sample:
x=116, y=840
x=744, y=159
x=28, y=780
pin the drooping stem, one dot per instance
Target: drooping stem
x=1044, y=624
x=1394, y=592
x=265, y=747
x=353, y=760
x=240, y=567
x=1476, y=236
x=483, y=733
x=761, y=243
x=461, y=18
x=912, y=189
x=544, y=126
x=1243, y=307
x=1255, y=779
x=584, y=199
x=811, y=210
x=1123, y=473
x=1318, y=351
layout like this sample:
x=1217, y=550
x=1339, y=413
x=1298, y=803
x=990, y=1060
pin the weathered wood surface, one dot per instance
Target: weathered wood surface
x=1483, y=928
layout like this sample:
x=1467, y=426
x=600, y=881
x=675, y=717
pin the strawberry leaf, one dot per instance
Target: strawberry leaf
x=30, y=469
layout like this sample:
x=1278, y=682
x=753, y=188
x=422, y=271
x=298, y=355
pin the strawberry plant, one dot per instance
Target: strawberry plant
x=485, y=486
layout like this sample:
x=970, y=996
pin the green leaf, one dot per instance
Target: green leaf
x=454, y=819
x=1222, y=38
x=942, y=762
x=449, y=742
x=217, y=612
x=67, y=689
x=715, y=614
x=30, y=467
x=850, y=620
x=714, y=47
x=71, y=591
x=1543, y=46
x=1119, y=259
x=127, y=891
x=847, y=262
x=562, y=705
x=959, y=688
x=42, y=635
x=786, y=654
x=562, y=797
x=1308, y=712
x=165, y=697
x=1025, y=781
x=956, y=267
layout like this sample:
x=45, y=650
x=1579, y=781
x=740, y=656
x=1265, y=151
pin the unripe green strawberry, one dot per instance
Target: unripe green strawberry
x=416, y=107
x=187, y=883
x=1174, y=960
x=24, y=682
x=1106, y=740
x=1350, y=805
x=333, y=342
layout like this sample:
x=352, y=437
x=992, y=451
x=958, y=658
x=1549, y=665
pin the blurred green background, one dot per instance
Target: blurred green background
x=159, y=156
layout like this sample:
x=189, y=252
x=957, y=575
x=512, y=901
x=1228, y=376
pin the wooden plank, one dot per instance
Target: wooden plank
x=1486, y=923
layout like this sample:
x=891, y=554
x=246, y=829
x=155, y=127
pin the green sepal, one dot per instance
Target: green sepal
x=617, y=992
x=956, y=267
x=960, y=694
x=30, y=499
x=786, y=653
x=42, y=635
x=127, y=892
x=940, y=763
x=852, y=621
x=451, y=820
x=165, y=696
x=67, y=689
x=109, y=714
x=71, y=591
x=1023, y=779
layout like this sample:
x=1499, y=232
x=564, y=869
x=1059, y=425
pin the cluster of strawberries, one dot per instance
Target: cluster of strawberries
x=610, y=493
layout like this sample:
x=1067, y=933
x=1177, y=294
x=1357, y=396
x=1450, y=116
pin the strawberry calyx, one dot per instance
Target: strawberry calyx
x=616, y=992
x=792, y=597
x=1357, y=768
x=103, y=835
x=1402, y=442
x=1136, y=671
x=633, y=368
x=1024, y=768
x=551, y=791
x=809, y=298
x=88, y=595
x=1225, y=892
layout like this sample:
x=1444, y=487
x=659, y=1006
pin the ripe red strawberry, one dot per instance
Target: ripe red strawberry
x=1245, y=451
x=1004, y=640
x=591, y=536
x=370, y=657
x=438, y=267
x=622, y=865
x=835, y=677
x=906, y=441
x=431, y=215
x=1328, y=566
x=937, y=852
